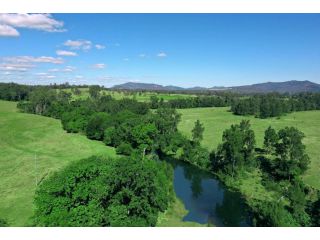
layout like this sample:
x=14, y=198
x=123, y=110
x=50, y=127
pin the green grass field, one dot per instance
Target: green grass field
x=143, y=97
x=216, y=120
x=24, y=137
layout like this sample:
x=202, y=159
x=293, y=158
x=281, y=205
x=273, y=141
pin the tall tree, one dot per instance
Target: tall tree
x=270, y=139
x=197, y=132
x=292, y=159
x=94, y=91
x=237, y=149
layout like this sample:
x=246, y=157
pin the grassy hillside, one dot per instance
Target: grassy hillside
x=216, y=120
x=31, y=147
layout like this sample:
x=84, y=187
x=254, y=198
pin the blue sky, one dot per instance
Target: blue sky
x=170, y=49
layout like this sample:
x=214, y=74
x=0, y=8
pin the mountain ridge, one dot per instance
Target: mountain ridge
x=292, y=86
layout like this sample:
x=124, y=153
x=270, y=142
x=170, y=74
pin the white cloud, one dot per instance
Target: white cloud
x=99, y=66
x=17, y=67
x=69, y=69
x=126, y=59
x=66, y=53
x=50, y=76
x=31, y=59
x=42, y=22
x=41, y=74
x=78, y=44
x=53, y=70
x=142, y=55
x=162, y=54
x=100, y=47
x=79, y=77
x=8, y=31
x=66, y=69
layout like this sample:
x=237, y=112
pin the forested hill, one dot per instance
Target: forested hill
x=292, y=86
x=281, y=87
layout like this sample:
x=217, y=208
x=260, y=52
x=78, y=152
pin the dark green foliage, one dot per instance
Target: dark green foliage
x=196, y=155
x=108, y=136
x=194, y=102
x=124, y=149
x=237, y=149
x=76, y=120
x=275, y=105
x=297, y=197
x=197, y=132
x=94, y=91
x=14, y=92
x=166, y=121
x=144, y=136
x=272, y=214
x=315, y=212
x=3, y=223
x=292, y=159
x=270, y=139
x=97, y=123
x=104, y=192
x=154, y=102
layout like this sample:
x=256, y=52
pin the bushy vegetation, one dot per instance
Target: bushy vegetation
x=105, y=192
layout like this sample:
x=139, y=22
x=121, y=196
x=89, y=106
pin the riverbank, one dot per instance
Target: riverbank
x=173, y=216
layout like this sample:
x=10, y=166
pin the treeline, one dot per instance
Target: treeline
x=14, y=92
x=275, y=105
x=192, y=102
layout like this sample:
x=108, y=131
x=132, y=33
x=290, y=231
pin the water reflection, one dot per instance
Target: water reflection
x=206, y=199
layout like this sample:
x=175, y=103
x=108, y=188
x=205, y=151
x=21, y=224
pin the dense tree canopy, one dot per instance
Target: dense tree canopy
x=292, y=159
x=275, y=105
x=237, y=149
x=104, y=192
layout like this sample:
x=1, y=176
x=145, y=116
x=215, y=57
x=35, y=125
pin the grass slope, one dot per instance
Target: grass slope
x=22, y=136
x=216, y=120
x=173, y=216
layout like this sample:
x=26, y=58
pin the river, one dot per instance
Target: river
x=206, y=198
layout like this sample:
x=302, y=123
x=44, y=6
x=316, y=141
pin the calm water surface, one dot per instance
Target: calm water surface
x=206, y=199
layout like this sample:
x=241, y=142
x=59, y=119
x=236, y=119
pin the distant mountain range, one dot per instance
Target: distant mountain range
x=292, y=86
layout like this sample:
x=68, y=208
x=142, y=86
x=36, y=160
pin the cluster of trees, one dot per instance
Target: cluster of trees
x=129, y=191
x=282, y=161
x=14, y=92
x=283, y=164
x=275, y=105
x=236, y=152
x=192, y=102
